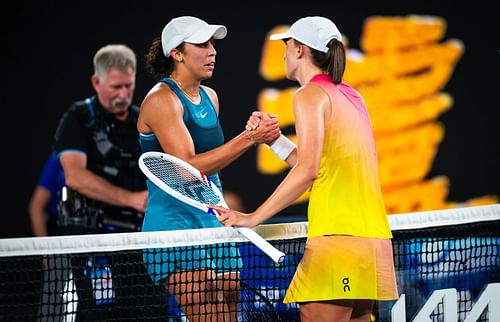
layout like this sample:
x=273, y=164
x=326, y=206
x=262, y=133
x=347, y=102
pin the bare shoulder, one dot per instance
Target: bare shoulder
x=159, y=106
x=311, y=94
x=159, y=95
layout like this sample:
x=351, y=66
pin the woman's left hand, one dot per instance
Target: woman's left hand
x=233, y=218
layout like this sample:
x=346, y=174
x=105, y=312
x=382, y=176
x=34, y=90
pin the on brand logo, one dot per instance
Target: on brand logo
x=345, y=281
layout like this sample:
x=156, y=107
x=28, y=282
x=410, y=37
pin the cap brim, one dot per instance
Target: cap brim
x=201, y=36
x=279, y=36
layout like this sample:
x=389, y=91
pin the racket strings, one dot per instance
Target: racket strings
x=181, y=180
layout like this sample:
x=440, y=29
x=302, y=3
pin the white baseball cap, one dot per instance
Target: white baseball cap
x=315, y=32
x=188, y=29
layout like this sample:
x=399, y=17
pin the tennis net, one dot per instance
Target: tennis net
x=447, y=266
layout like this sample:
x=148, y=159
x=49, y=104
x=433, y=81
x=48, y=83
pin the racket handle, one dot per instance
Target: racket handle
x=276, y=255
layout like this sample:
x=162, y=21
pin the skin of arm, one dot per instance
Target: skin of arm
x=37, y=205
x=80, y=179
x=311, y=107
x=162, y=113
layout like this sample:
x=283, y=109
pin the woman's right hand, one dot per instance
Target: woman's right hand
x=263, y=127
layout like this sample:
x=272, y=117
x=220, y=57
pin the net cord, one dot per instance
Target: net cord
x=25, y=246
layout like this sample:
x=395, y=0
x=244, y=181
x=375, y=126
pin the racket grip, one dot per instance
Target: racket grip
x=271, y=251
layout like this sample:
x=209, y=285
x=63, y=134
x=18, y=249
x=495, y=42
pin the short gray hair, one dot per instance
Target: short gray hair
x=116, y=56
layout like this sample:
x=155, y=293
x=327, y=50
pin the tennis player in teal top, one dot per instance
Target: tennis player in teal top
x=179, y=116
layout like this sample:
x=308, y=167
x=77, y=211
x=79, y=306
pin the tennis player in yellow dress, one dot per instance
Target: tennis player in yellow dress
x=348, y=261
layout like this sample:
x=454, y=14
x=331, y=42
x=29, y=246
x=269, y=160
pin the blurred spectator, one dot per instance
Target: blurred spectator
x=43, y=208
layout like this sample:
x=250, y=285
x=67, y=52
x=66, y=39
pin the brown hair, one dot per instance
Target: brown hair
x=156, y=62
x=333, y=62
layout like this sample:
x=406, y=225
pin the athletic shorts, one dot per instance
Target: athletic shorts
x=161, y=262
x=344, y=267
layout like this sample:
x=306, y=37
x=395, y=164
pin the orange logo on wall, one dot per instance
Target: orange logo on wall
x=400, y=72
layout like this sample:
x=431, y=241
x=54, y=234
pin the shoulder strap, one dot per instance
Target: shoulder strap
x=177, y=92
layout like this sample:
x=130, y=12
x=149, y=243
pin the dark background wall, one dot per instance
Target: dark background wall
x=47, y=63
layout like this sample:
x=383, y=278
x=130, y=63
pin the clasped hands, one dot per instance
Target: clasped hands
x=262, y=127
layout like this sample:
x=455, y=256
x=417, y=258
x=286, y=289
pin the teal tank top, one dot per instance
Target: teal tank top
x=163, y=211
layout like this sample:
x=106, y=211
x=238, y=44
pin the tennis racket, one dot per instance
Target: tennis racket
x=184, y=182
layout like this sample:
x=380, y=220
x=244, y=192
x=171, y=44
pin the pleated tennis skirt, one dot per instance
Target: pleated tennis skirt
x=344, y=267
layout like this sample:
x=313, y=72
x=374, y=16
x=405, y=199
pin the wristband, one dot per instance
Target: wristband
x=282, y=147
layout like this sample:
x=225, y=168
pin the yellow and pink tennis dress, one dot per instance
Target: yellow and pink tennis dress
x=348, y=253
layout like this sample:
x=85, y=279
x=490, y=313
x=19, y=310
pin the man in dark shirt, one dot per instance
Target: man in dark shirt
x=97, y=143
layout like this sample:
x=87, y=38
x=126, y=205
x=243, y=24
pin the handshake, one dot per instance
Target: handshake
x=264, y=128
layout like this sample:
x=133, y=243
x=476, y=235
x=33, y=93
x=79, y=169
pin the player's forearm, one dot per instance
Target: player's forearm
x=220, y=157
x=298, y=180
